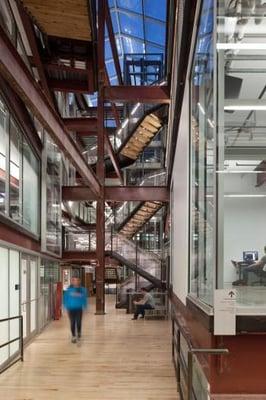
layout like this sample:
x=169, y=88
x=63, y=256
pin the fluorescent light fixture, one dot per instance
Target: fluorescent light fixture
x=201, y=109
x=211, y=123
x=245, y=105
x=244, y=195
x=125, y=123
x=248, y=107
x=241, y=46
x=135, y=109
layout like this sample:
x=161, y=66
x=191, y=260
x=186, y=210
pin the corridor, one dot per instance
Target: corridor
x=117, y=359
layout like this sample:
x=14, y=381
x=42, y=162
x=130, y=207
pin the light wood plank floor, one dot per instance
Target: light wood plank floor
x=117, y=359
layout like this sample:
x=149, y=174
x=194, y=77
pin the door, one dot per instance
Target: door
x=14, y=299
x=29, y=295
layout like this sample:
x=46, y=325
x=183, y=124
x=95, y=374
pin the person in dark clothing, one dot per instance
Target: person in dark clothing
x=75, y=301
x=146, y=303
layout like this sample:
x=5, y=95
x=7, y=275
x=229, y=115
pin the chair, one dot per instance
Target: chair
x=262, y=278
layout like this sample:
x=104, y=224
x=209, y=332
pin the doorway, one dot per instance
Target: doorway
x=29, y=295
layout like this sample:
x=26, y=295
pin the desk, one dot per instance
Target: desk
x=239, y=265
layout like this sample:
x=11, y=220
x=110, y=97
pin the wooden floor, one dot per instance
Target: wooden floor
x=117, y=359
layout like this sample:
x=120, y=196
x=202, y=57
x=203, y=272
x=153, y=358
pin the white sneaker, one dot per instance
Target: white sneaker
x=74, y=339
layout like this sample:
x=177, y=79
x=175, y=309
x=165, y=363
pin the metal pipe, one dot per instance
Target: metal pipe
x=21, y=339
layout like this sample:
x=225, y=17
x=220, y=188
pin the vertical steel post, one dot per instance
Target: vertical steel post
x=100, y=169
x=21, y=338
x=190, y=376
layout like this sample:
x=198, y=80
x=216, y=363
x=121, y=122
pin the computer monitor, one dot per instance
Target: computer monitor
x=252, y=255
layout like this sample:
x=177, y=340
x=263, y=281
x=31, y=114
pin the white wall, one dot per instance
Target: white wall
x=180, y=206
x=244, y=220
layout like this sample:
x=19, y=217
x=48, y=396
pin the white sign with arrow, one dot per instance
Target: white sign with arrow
x=225, y=312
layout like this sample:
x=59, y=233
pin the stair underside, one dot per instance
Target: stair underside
x=139, y=218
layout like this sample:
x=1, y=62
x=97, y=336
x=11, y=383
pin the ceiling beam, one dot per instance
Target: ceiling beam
x=140, y=94
x=81, y=124
x=15, y=71
x=117, y=193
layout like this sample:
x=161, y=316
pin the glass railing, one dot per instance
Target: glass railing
x=80, y=241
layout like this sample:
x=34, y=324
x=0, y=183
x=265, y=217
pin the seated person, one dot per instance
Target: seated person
x=147, y=303
x=256, y=267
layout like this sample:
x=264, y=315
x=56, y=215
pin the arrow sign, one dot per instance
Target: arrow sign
x=231, y=294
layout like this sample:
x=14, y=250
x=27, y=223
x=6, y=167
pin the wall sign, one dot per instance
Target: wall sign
x=225, y=312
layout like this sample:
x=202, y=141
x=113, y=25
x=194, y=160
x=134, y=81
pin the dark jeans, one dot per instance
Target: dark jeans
x=140, y=309
x=255, y=268
x=75, y=317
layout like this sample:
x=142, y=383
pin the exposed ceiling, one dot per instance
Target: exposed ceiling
x=61, y=18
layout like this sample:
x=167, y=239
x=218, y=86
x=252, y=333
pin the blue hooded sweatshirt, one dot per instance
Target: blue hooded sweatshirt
x=75, y=298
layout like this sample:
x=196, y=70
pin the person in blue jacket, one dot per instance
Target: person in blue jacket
x=75, y=301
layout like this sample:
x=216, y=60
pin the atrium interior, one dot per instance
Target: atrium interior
x=132, y=163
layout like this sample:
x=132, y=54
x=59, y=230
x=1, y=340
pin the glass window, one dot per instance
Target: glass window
x=155, y=9
x=30, y=189
x=241, y=163
x=3, y=159
x=6, y=19
x=15, y=189
x=202, y=262
x=133, y=5
x=155, y=32
x=131, y=24
x=53, y=197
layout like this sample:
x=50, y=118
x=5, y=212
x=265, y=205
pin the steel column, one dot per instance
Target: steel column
x=100, y=168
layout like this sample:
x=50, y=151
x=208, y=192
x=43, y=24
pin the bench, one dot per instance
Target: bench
x=156, y=313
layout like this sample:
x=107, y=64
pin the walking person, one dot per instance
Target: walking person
x=75, y=301
x=147, y=303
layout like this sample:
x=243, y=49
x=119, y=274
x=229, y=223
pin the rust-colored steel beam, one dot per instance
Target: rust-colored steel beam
x=117, y=193
x=111, y=35
x=22, y=114
x=113, y=105
x=113, y=157
x=15, y=71
x=140, y=94
x=27, y=24
x=100, y=166
x=81, y=124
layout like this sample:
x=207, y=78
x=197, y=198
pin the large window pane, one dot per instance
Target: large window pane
x=3, y=159
x=131, y=24
x=53, y=197
x=155, y=32
x=15, y=195
x=155, y=9
x=30, y=189
x=241, y=53
x=202, y=261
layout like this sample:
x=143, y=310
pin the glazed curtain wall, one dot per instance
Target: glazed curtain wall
x=228, y=152
x=202, y=149
x=19, y=174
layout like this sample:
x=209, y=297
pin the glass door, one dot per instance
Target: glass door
x=29, y=295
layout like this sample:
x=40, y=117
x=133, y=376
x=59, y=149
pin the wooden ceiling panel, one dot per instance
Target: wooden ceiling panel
x=61, y=18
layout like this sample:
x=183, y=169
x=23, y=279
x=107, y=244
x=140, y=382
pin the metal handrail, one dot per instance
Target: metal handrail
x=191, y=352
x=19, y=338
